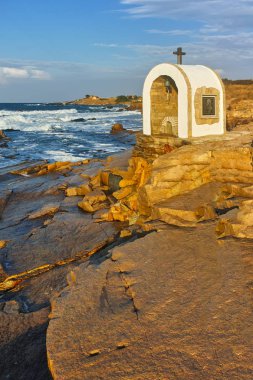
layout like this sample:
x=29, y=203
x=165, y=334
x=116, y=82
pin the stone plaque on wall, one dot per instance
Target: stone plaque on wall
x=208, y=106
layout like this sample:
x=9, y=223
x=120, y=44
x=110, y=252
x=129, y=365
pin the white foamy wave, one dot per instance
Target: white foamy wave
x=51, y=132
x=34, y=120
x=59, y=155
x=39, y=112
x=34, y=104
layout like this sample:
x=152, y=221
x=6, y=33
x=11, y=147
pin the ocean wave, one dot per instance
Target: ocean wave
x=38, y=112
x=60, y=155
x=52, y=132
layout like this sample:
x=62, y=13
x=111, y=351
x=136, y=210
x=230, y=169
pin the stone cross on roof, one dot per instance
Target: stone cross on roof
x=179, y=54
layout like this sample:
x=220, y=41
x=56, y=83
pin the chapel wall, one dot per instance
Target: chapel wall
x=199, y=94
x=163, y=105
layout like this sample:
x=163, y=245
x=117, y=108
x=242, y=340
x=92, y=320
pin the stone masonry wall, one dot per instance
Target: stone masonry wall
x=162, y=105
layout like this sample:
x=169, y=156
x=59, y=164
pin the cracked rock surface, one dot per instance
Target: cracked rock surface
x=43, y=236
x=173, y=305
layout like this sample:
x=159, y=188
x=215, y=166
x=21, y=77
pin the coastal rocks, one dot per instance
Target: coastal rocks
x=4, y=197
x=169, y=305
x=82, y=120
x=47, y=210
x=83, y=189
x=11, y=307
x=187, y=210
x=151, y=147
x=117, y=128
x=240, y=225
x=2, y=135
x=49, y=168
x=41, y=228
x=79, y=120
x=53, y=223
x=194, y=165
x=132, y=179
x=3, y=138
x=3, y=243
x=4, y=144
x=93, y=201
x=23, y=344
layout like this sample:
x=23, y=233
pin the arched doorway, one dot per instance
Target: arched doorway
x=164, y=106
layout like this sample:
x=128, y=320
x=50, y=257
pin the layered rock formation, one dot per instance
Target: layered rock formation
x=173, y=305
x=168, y=305
x=176, y=303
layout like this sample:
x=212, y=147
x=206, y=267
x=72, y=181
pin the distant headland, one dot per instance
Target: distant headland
x=131, y=101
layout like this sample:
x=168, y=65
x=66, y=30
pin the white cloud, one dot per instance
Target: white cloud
x=12, y=72
x=220, y=35
x=195, y=9
x=18, y=73
x=99, y=44
x=175, y=32
x=39, y=74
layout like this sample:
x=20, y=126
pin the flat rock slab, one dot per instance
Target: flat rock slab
x=23, y=345
x=172, y=305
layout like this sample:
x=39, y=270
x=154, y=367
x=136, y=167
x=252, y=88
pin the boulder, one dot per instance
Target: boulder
x=11, y=307
x=117, y=128
x=78, y=120
x=77, y=191
x=2, y=135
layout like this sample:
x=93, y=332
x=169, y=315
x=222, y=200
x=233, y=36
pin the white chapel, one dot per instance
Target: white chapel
x=183, y=101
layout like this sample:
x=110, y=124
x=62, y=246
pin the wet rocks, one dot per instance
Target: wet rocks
x=3, y=140
x=2, y=135
x=82, y=120
x=11, y=307
x=117, y=128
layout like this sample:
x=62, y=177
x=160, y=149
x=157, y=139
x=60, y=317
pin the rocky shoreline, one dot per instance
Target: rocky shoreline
x=129, y=260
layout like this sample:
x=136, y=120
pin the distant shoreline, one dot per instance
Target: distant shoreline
x=131, y=102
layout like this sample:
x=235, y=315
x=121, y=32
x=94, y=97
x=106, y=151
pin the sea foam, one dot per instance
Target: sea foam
x=40, y=131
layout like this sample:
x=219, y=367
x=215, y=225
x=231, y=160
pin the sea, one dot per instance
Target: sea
x=55, y=132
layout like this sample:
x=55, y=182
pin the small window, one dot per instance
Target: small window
x=208, y=106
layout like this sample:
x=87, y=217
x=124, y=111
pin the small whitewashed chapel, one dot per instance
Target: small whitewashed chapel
x=183, y=101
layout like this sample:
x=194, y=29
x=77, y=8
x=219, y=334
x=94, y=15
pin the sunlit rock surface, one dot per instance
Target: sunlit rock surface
x=177, y=303
x=173, y=305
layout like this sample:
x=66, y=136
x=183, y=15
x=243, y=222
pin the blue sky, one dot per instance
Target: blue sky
x=55, y=50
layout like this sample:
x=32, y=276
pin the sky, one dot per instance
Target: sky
x=57, y=50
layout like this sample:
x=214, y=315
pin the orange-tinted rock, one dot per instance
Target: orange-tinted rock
x=95, y=196
x=126, y=182
x=95, y=181
x=123, y=193
x=125, y=233
x=78, y=191
x=3, y=243
x=49, y=209
x=117, y=128
x=86, y=206
x=153, y=302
